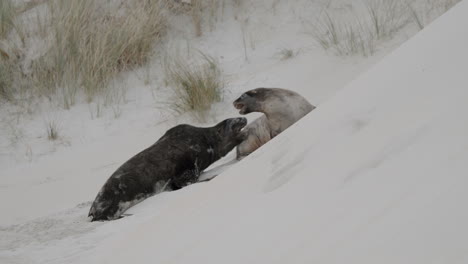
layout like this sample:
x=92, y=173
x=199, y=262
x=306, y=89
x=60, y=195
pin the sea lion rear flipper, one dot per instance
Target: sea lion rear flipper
x=184, y=179
x=124, y=215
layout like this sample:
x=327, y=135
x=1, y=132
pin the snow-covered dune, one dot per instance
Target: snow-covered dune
x=377, y=174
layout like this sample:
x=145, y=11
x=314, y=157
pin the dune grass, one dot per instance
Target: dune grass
x=360, y=30
x=203, y=13
x=424, y=13
x=52, y=130
x=196, y=85
x=7, y=65
x=90, y=44
x=6, y=80
x=7, y=16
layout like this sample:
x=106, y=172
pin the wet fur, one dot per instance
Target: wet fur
x=174, y=161
x=281, y=109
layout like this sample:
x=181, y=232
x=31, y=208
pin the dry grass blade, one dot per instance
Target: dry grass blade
x=196, y=86
x=10, y=73
x=7, y=16
x=6, y=80
x=286, y=53
x=52, y=131
x=358, y=32
x=416, y=17
x=91, y=44
x=203, y=13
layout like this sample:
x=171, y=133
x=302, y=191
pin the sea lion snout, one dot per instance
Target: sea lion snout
x=252, y=100
x=238, y=123
x=243, y=104
x=101, y=211
x=238, y=105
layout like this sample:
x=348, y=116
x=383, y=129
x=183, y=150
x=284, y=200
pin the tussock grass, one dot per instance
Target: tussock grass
x=11, y=77
x=203, y=13
x=196, y=85
x=26, y=6
x=362, y=28
x=387, y=17
x=416, y=16
x=342, y=38
x=90, y=44
x=358, y=32
x=442, y=6
x=424, y=11
x=7, y=17
x=6, y=79
x=52, y=131
x=286, y=54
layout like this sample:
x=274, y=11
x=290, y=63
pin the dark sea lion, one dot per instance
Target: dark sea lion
x=174, y=161
x=281, y=109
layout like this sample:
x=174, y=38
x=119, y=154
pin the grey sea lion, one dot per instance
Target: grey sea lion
x=174, y=161
x=281, y=109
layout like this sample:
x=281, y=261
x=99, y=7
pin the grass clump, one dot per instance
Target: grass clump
x=7, y=16
x=6, y=79
x=203, y=13
x=358, y=31
x=11, y=76
x=286, y=54
x=196, y=85
x=344, y=39
x=424, y=11
x=204, y=9
x=52, y=131
x=363, y=27
x=386, y=17
x=90, y=44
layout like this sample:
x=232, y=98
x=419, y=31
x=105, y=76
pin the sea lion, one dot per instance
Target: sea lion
x=174, y=161
x=281, y=109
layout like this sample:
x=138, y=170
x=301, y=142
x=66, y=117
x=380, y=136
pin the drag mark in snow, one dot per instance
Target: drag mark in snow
x=391, y=149
x=285, y=172
x=67, y=224
x=286, y=168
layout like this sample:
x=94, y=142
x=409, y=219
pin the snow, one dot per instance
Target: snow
x=375, y=174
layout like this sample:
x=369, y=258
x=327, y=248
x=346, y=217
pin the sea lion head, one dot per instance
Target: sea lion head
x=252, y=101
x=106, y=205
x=102, y=209
x=230, y=134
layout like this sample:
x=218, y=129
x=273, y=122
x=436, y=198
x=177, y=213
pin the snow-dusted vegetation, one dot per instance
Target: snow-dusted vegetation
x=374, y=174
x=196, y=85
x=362, y=28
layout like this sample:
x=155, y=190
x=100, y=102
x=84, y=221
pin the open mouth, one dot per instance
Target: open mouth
x=240, y=106
x=239, y=125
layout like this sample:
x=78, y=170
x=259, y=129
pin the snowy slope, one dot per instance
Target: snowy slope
x=91, y=146
x=373, y=175
x=377, y=174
